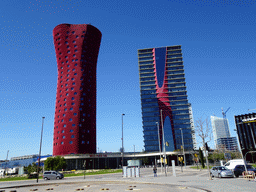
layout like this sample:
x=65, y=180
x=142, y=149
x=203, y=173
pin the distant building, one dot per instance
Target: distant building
x=246, y=130
x=164, y=99
x=221, y=134
x=77, y=48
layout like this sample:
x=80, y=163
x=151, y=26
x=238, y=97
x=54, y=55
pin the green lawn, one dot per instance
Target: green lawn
x=80, y=173
x=195, y=167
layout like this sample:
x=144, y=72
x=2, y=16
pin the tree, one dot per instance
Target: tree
x=32, y=168
x=203, y=130
x=201, y=157
x=55, y=163
x=122, y=150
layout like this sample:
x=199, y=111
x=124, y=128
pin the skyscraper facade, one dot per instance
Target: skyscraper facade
x=77, y=48
x=165, y=107
x=246, y=131
x=221, y=134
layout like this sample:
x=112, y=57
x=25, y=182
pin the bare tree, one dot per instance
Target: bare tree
x=204, y=131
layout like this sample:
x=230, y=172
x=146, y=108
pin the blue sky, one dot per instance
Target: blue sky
x=218, y=44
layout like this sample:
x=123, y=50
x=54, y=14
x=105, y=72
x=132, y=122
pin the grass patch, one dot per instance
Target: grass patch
x=195, y=167
x=76, y=173
x=95, y=172
x=17, y=178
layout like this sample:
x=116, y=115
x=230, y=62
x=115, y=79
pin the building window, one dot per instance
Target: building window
x=71, y=109
x=70, y=142
x=73, y=125
x=63, y=137
x=62, y=131
x=64, y=115
x=80, y=109
x=73, y=98
x=66, y=89
x=73, y=83
x=84, y=94
x=67, y=75
x=87, y=142
x=72, y=88
x=71, y=130
x=70, y=119
x=82, y=99
x=75, y=64
x=67, y=79
x=75, y=93
x=62, y=120
x=62, y=143
x=66, y=94
x=72, y=79
x=64, y=125
x=84, y=114
x=65, y=104
x=75, y=74
x=72, y=103
x=65, y=109
x=88, y=131
x=80, y=125
x=65, y=99
x=83, y=142
x=72, y=136
x=82, y=104
x=66, y=85
x=75, y=113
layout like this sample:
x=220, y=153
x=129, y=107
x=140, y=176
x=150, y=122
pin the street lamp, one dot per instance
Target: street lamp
x=159, y=146
x=122, y=151
x=183, y=147
x=40, y=150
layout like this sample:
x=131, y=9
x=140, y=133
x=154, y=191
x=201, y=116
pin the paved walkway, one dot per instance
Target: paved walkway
x=189, y=180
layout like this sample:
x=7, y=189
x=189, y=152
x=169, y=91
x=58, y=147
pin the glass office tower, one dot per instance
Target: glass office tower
x=164, y=99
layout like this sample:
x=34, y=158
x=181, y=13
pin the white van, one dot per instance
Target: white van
x=232, y=163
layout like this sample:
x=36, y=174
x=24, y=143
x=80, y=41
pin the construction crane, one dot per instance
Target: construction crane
x=226, y=126
x=224, y=113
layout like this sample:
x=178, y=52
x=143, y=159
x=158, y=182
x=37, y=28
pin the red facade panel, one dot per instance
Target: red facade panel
x=77, y=48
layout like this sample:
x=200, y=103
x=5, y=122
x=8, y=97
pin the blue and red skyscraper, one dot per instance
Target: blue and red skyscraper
x=164, y=99
x=77, y=48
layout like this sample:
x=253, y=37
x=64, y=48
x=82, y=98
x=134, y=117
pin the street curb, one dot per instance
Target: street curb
x=110, y=181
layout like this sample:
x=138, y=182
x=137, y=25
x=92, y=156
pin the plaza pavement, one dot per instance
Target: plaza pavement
x=188, y=180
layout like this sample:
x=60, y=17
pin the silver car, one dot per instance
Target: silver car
x=221, y=171
x=52, y=175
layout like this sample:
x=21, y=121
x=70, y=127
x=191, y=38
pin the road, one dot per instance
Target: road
x=188, y=180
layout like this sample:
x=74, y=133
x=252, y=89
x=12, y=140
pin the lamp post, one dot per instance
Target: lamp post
x=159, y=146
x=183, y=147
x=122, y=151
x=40, y=150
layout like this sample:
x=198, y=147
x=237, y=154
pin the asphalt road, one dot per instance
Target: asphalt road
x=188, y=180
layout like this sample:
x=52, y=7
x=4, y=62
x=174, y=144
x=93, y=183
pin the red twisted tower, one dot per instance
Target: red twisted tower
x=77, y=48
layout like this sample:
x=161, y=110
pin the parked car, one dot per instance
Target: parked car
x=221, y=171
x=239, y=169
x=232, y=163
x=52, y=175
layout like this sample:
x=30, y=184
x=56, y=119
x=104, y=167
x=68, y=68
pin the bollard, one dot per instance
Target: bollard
x=173, y=168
